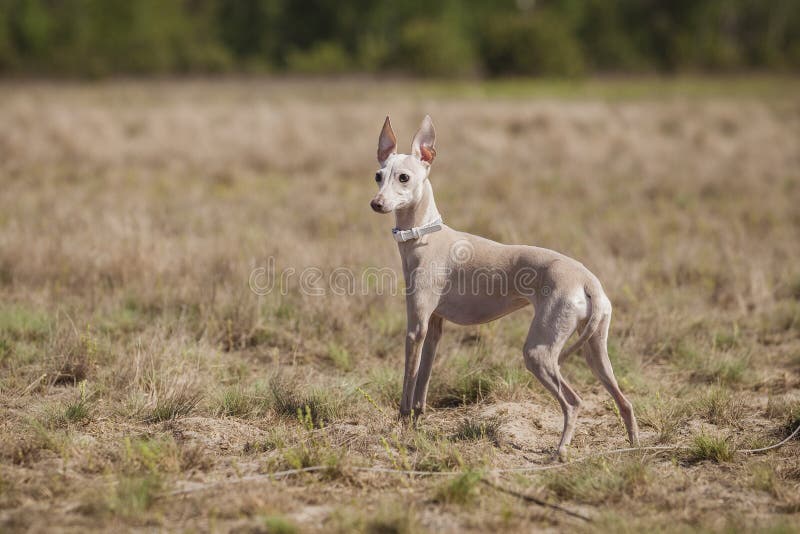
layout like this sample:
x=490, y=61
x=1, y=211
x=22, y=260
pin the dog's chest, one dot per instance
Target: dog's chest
x=421, y=271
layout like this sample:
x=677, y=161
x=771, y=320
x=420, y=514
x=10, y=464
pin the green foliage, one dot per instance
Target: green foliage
x=435, y=48
x=95, y=37
x=323, y=58
x=452, y=38
x=537, y=44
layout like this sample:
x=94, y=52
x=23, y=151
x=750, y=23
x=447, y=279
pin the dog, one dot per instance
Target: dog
x=441, y=266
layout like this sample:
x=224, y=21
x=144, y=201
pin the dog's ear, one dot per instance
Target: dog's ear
x=387, y=142
x=422, y=145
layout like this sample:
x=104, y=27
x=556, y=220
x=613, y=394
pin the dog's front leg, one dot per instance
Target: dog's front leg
x=415, y=338
x=426, y=364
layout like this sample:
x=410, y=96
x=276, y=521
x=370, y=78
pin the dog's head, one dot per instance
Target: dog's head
x=401, y=177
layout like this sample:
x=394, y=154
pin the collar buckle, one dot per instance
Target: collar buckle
x=416, y=232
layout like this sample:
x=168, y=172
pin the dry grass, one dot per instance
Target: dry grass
x=602, y=481
x=135, y=362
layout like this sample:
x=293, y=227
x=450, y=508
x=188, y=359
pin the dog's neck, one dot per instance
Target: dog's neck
x=422, y=213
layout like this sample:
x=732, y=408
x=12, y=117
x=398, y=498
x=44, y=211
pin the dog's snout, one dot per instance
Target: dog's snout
x=377, y=204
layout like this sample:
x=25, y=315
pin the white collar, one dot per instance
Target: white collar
x=416, y=232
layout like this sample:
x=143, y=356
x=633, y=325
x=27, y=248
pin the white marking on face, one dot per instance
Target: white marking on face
x=401, y=178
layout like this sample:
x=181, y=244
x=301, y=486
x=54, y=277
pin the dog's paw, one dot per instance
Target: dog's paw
x=407, y=418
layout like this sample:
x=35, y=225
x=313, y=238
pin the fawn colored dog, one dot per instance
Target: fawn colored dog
x=470, y=280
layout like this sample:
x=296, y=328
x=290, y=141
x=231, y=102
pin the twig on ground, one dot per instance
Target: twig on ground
x=408, y=472
x=32, y=385
x=535, y=500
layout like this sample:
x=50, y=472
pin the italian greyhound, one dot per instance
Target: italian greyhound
x=469, y=280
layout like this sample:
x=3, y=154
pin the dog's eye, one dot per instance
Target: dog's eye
x=403, y=178
x=378, y=177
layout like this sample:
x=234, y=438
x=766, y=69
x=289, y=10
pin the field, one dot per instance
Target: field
x=144, y=384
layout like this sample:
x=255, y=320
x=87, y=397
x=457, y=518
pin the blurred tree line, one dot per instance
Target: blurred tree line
x=428, y=38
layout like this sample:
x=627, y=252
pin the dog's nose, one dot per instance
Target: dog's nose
x=377, y=205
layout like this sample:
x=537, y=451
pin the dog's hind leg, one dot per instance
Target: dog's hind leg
x=552, y=325
x=572, y=397
x=596, y=354
x=574, y=401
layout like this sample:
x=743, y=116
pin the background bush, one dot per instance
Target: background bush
x=531, y=45
x=448, y=38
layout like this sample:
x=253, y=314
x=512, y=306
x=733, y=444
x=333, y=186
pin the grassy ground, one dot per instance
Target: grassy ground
x=144, y=385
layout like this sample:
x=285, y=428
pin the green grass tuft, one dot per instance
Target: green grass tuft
x=465, y=380
x=434, y=453
x=720, y=407
x=18, y=323
x=319, y=406
x=386, y=383
x=172, y=403
x=728, y=369
x=156, y=455
x=764, y=477
x=785, y=409
x=340, y=357
x=233, y=402
x=726, y=339
x=714, y=448
x=277, y=524
x=6, y=348
x=601, y=480
x=135, y=495
x=461, y=490
x=391, y=517
x=665, y=415
x=473, y=430
x=238, y=401
x=77, y=411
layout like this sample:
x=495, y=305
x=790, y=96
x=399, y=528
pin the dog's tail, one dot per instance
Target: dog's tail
x=599, y=309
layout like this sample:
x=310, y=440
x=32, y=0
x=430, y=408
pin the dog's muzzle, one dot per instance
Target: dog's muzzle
x=378, y=205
